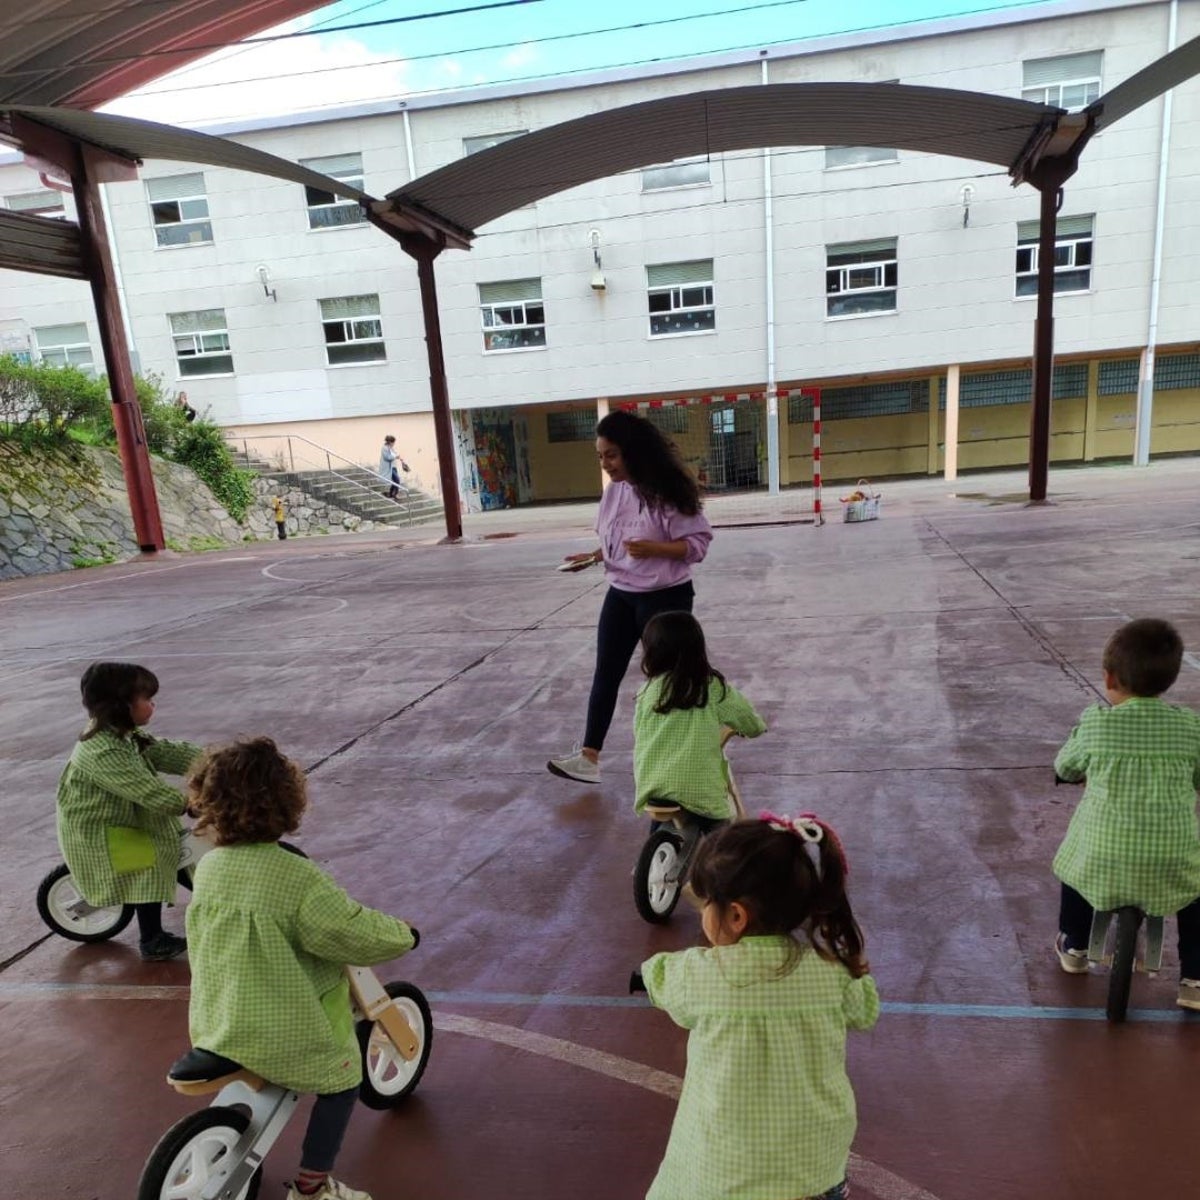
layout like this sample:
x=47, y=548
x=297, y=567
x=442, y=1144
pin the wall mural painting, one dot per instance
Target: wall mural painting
x=496, y=458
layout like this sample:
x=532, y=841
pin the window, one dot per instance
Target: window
x=179, y=208
x=513, y=315
x=1068, y=81
x=64, y=346
x=576, y=425
x=1072, y=255
x=37, y=204
x=862, y=400
x=860, y=277
x=681, y=298
x=353, y=330
x=325, y=210
x=473, y=145
x=683, y=172
x=202, y=342
x=857, y=156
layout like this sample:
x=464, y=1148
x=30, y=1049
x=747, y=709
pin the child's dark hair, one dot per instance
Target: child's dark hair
x=1144, y=656
x=652, y=462
x=108, y=690
x=769, y=872
x=247, y=792
x=673, y=645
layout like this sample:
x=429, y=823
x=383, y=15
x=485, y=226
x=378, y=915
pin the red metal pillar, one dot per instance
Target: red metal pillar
x=1043, y=341
x=425, y=251
x=126, y=412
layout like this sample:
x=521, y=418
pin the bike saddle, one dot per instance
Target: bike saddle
x=662, y=811
x=200, y=1071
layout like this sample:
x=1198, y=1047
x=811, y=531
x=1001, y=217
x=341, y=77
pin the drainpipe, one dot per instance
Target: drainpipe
x=408, y=147
x=1145, y=394
x=769, y=252
x=118, y=277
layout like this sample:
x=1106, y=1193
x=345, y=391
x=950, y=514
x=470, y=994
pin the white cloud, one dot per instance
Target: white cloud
x=261, y=80
x=522, y=56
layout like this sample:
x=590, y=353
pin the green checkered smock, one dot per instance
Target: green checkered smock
x=118, y=822
x=677, y=755
x=268, y=935
x=1133, y=839
x=766, y=1112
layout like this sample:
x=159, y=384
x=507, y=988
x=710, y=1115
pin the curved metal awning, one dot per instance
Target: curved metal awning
x=478, y=189
x=83, y=53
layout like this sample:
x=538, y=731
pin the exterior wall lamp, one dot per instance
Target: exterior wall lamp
x=599, y=283
x=264, y=278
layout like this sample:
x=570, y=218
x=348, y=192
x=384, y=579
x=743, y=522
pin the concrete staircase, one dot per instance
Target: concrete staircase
x=353, y=489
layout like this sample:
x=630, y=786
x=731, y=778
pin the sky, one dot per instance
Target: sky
x=500, y=41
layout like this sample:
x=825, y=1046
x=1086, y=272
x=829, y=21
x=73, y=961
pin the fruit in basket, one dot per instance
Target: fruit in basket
x=855, y=495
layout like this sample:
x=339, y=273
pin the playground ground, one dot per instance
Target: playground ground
x=917, y=674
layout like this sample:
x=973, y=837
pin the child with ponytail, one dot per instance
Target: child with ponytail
x=767, y=1111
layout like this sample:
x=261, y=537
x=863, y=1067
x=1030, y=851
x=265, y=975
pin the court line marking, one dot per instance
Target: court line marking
x=899, y=1008
x=33, y=593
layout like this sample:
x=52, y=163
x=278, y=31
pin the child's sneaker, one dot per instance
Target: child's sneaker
x=331, y=1189
x=1189, y=994
x=576, y=765
x=162, y=946
x=1074, y=962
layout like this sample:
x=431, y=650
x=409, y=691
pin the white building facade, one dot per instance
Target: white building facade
x=282, y=312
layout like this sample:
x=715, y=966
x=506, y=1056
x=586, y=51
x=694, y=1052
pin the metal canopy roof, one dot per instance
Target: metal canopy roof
x=484, y=186
x=83, y=53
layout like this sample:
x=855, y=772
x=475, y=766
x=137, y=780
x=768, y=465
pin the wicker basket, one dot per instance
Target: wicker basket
x=862, y=504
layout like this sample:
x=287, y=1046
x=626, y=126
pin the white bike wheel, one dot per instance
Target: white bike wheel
x=191, y=1152
x=388, y=1077
x=657, y=877
x=61, y=906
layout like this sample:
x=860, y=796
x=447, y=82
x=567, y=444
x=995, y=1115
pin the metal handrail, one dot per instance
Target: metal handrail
x=329, y=456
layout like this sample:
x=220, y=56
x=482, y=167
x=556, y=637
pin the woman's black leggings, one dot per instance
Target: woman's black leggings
x=622, y=620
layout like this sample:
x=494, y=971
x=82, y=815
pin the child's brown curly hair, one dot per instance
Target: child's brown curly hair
x=247, y=792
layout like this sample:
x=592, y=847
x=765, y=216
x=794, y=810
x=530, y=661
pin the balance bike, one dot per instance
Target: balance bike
x=662, y=866
x=62, y=907
x=217, y=1153
x=1121, y=954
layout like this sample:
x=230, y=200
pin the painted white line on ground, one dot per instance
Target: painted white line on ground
x=70, y=587
x=884, y=1184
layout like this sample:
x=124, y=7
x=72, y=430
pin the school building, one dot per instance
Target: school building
x=685, y=290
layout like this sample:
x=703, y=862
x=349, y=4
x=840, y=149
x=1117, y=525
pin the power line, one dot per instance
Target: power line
x=558, y=37
x=110, y=60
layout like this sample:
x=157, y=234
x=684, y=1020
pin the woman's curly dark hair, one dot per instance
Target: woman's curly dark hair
x=247, y=792
x=652, y=462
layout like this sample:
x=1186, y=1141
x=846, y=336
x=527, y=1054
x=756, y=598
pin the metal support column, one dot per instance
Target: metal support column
x=126, y=411
x=1043, y=338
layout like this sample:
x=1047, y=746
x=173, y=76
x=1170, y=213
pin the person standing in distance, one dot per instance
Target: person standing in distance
x=390, y=465
x=651, y=531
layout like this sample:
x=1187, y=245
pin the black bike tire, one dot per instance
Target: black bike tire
x=150, y=1186
x=43, y=908
x=367, y=1092
x=641, y=877
x=1120, y=978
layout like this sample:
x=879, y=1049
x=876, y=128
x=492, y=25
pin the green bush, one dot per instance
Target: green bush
x=40, y=404
x=201, y=446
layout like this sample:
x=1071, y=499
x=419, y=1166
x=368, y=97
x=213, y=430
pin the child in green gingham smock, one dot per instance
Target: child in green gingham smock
x=269, y=936
x=1134, y=838
x=118, y=823
x=677, y=754
x=767, y=1111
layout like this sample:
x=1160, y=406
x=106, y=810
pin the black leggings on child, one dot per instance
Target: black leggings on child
x=622, y=619
x=1075, y=921
x=326, y=1127
x=149, y=919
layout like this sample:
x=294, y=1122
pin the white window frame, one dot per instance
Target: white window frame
x=692, y=172
x=198, y=217
x=858, y=156
x=875, y=273
x=516, y=309
x=485, y=141
x=1057, y=74
x=1074, y=253
x=46, y=202
x=203, y=345
x=361, y=329
x=65, y=353
x=348, y=212
x=692, y=298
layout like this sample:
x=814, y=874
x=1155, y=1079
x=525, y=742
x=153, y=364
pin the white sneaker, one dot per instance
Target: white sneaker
x=1189, y=994
x=331, y=1189
x=575, y=766
x=1074, y=962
